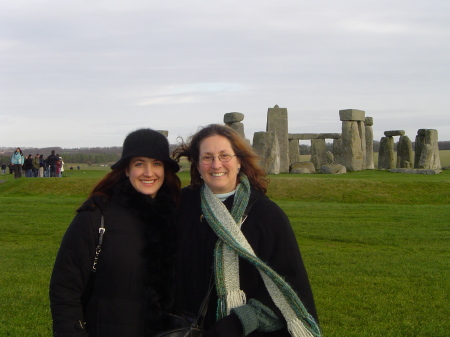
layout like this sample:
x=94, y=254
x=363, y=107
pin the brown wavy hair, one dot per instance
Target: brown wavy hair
x=248, y=158
x=106, y=185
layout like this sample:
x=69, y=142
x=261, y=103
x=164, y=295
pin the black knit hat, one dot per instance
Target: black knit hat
x=146, y=143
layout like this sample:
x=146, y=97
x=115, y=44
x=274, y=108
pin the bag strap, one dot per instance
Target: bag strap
x=87, y=293
x=204, y=306
x=98, y=249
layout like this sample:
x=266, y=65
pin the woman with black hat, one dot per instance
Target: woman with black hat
x=126, y=288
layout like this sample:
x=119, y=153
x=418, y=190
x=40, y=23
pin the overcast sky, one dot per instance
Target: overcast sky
x=86, y=73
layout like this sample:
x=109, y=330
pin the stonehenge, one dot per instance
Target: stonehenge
x=353, y=150
x=425, y=156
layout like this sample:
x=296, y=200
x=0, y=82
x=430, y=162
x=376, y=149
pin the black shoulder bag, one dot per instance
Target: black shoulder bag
x=186, y=324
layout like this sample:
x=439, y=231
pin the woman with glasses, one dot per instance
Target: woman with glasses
x=231, y=236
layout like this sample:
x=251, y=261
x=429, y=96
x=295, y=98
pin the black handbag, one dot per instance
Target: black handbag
x=185, y=324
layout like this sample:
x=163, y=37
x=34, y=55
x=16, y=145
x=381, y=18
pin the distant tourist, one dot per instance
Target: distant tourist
x=28, y=166
x=51, y=162
x=3, y=168
x=17, y=160
x=41, y=166
x=58, y=166
x=62, y=167
x=36, y=165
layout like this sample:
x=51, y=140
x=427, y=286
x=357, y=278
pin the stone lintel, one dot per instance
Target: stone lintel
x=368, y=121
x=329, y=136
x=233, y=117
x=393, y=133
x=352, y=115
x=303, y=136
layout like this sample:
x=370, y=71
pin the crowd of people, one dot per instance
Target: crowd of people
x=37, y=166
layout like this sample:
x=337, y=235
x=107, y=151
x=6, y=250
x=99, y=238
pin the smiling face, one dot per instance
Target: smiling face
x=220, y=177
x=146, y=175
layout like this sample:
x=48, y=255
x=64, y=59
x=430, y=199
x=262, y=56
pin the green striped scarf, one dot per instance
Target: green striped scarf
x=233, y=244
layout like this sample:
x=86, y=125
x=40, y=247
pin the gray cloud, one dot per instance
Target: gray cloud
x=85, y=74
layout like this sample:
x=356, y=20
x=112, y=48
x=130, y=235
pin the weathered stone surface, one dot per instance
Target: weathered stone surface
x=352, y=152
x=369, y=144
x=266, y=146
x=233, y=117
x=386, y=158
x=421, y=132
x=238, y=127
x=304, y=165
x=329, y=136
x=337, y=150
x=164, y=132
x=352, y=115
x=277, y=121
x=330, y=157
x=428, y=158
x=333, y=169
x=429, y=151
x=393, y=133
x=418, y=147
x=300, y=170
x=294, y=151
x=414, y=171
x=405, y=154
x=318, y=152
x=303, y=136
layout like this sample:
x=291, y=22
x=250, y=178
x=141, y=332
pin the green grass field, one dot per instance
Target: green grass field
x=376, y=246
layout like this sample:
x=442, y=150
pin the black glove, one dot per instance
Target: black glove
x=229, y=326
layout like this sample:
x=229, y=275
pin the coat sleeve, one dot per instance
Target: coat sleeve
x=270, y=234
x=70, y=275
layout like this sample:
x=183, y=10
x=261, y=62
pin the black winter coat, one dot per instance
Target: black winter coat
x=268, y=231
x=133, y=283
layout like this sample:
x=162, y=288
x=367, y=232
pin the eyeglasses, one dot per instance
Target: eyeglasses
x=223, y=157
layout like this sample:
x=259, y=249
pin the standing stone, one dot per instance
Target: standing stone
x=418, y=147
x=351, y=153
x=318, y=152
x=294, y=151
x=239, y=128
x=353, y=150
x=429, y=157
x=277, y=121
x=337, y=150
x=234, y=121
x=266, y=146
x=405, y=154
x=386, y=158
x=368, y=122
